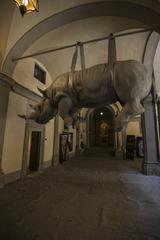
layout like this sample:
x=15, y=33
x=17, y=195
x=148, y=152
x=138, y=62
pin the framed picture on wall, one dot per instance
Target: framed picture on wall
x=66, y=145
x=139, y=147
x=70, y=141
x=130, y=147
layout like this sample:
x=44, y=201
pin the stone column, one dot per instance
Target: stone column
x=119, y=152
x=151, y=163
x=55, y=155
x=4, y=96
x=112, y=54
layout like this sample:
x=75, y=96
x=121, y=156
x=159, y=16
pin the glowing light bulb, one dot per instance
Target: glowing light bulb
x=101, y=113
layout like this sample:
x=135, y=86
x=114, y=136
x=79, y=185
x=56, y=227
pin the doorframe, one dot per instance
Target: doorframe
x=88, y=117
x=30, y=127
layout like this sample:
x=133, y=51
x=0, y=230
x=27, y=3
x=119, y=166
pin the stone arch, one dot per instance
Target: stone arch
x=150, y=50
x=89, y=115
x=110, y=8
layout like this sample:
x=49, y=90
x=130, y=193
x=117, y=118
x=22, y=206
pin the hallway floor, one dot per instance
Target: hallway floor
x=83, y=199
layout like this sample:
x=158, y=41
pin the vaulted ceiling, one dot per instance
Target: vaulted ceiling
x=61, y=22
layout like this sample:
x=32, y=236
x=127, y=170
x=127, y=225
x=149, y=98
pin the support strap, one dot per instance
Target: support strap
x=82, y=57
x=112, y=58
x=112, y=55
x=74, y=59
x=75, y=56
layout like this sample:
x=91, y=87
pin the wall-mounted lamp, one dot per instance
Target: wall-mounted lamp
x=26, y=6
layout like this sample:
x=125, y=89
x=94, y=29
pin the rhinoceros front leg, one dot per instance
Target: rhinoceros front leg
x=74, y=114
x=130, y=109
x=64, y=108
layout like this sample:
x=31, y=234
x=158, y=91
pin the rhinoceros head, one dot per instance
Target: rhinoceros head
x=43, y=111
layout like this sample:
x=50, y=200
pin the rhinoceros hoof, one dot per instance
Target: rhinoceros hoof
x=68, y=122
x=66, y=128
x=118, y=129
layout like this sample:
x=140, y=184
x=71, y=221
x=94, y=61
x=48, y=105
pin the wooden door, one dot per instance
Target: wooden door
x=34, y=159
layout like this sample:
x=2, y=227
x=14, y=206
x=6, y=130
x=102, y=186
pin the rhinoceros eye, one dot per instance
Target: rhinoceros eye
x=39, y=108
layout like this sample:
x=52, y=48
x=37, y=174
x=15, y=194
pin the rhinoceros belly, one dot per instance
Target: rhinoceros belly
x=94, y=86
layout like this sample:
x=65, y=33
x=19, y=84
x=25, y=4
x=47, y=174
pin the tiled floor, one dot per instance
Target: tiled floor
x=83, y=199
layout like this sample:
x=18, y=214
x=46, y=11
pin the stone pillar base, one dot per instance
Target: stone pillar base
x=1, y=180
x=151, y=169
x=78, y=152
x=119, y=154
x=55, y=160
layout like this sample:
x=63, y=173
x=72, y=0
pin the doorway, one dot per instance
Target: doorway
x=33, y=148
x=34, y=151
x=102, y=128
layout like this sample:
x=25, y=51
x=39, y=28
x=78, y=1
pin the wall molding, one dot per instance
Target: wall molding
x=12, y=177
x=14, y=86
x=47, y=164
x=149, y=118
x=16, y=175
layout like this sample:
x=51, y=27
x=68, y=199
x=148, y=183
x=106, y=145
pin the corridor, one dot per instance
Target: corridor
x=83, y=199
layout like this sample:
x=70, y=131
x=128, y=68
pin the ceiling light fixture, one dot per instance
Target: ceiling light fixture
x=26, y=6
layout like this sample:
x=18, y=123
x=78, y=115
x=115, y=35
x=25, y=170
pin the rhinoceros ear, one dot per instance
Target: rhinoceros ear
x=43, y=92
x=58, y=97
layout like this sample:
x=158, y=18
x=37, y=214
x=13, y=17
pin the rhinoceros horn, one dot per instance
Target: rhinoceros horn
x=43, y=92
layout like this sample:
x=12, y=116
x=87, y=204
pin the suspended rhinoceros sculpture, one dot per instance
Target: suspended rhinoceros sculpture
x=127, y=81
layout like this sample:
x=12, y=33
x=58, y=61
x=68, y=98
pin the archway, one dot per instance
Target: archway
x=130, y=10
x=102, y=128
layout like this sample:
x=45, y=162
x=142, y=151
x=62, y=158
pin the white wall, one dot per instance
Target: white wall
x=131, y=46
x=24, y=75
x=15, y=126
x=12, y=156
x=14, y=135
x=49, y=136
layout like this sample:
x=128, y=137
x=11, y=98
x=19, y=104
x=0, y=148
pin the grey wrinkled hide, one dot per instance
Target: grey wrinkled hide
x=128, y=82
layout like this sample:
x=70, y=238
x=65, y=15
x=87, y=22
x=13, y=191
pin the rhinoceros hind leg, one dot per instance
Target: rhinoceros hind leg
x=130, y=109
